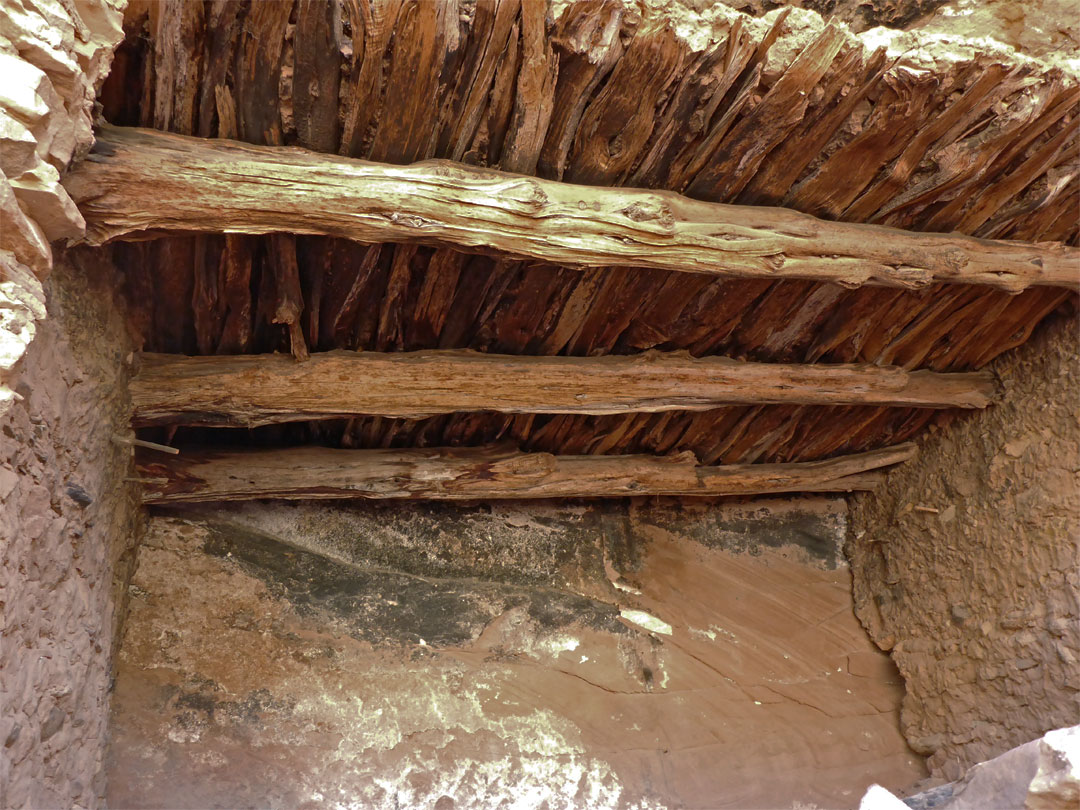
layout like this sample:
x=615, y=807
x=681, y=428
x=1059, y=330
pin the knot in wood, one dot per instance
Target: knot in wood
x=911, y=278
x=650, y=210
x=775, y=262
x=532, y=196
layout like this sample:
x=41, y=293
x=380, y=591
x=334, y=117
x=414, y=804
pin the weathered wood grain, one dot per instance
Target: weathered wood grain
x=288, y=298
x=251, y=390
x=224, y=186
x=488, y=473
x=534, y=97
x=317, y=74
x=179, y=27
x=748, y=143
x=258, y=72
x=586, y=40
x=616, y=125
x=467, y=96
x=959, y=149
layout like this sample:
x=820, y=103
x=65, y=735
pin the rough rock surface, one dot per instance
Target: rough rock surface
x=54, y=56
x=67, y=529
x=1043, y=774
x=1039, y=28
x=965, y=566
x=601, y=656
x=859, y=15
x=1056, y=784
x=1042, y=28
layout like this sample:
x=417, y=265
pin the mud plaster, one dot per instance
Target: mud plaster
x=965, y=565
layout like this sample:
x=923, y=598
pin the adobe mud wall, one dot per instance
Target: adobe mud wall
x=966, y=565
x=524, y=655
x=68, y=524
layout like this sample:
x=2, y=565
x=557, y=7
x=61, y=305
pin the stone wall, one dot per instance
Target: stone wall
x=68, y=524
x=54, y=55
x=66, y=519
x=966, y=565
x=592, y=655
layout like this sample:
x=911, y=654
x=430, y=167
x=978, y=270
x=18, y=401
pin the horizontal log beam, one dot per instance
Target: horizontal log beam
x=138, y=180
x=252, y=390
x=488, y=474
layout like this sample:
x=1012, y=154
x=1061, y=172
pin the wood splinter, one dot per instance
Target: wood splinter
x=161, y=448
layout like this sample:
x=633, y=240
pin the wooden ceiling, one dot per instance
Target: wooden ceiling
x=602, y=98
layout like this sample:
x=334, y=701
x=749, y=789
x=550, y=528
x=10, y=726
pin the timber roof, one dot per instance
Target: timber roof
x=777, y=111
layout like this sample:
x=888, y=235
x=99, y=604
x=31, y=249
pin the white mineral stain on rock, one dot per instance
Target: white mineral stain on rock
x=535, y=757
x=646, y=620
x=559, y=644
x=180, y=735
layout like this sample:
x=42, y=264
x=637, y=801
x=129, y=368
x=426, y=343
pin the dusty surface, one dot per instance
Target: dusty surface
x=965, y=567
x=1041, y=28
x=66, y=527
x=310, y=656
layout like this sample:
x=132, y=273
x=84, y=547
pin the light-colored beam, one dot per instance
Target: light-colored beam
x=252, y=390
x=487, y=474
x=138, y=180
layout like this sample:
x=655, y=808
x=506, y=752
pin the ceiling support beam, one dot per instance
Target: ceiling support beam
x=488, y=474
x=252, y=390
x=138, y=180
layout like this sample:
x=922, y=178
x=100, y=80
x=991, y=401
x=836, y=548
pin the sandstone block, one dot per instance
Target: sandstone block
x=99, y=28
x=16, y=327
x=45, y=37
x=40, y=195
x=17, y=146
x=21, y=235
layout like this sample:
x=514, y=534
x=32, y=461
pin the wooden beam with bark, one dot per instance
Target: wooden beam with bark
x=488, y=474
x=137, y=181
x=252, y=390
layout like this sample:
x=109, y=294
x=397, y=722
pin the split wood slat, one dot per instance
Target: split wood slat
x=957, y=150
x=252, y=390
x=140, y=180
x=488, y=474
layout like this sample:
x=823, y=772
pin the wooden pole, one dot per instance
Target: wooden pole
x=488, y=474
x=252, y=390
x=138, y=180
